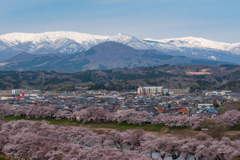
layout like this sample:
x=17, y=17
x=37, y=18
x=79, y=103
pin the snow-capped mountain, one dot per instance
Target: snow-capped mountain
x=71, y=42
x=48, y=42
x=14, y=39
x=199, y=48
x=102, y=56
x=201, y=43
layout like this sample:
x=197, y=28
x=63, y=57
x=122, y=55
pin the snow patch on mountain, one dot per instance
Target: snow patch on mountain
x=120, y=38
x=72, y=42
x=51, y=36
x=194, y=42
x=212, y=58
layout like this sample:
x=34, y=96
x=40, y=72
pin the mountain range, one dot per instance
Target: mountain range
x=73, y=51
x=72, y=42
x=102, y=56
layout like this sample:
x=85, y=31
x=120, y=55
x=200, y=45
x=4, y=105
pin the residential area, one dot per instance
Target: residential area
x=156, y=100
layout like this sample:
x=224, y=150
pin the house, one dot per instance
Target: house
x=207, y=105
x=122, y=109
x=183, y=111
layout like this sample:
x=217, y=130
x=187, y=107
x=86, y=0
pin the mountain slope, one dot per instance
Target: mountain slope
x=102, y=56
x=193, y=42
x=21, y=57
x=48, y=42
x=73, y=42
x=200, y=48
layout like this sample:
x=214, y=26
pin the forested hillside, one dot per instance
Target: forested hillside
x=195, y=77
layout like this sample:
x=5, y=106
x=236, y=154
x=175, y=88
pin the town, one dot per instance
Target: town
x=156, y=100
x=120, y=80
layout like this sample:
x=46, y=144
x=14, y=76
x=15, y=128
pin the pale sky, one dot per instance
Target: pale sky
x=217, y=20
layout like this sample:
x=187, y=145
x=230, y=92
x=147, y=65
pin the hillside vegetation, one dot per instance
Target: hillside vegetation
x=196, y=77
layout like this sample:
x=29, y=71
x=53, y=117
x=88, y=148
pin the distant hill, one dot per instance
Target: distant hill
x=103, y=56
x=21, y=57
x=196, y=77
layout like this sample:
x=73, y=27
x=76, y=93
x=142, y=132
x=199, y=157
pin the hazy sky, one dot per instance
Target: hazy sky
x=158, y=19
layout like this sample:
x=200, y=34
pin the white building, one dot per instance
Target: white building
x=150, y=90
x=205, y=106
x=223, y=92
x=7, y=98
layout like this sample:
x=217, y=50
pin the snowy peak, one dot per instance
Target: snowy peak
x=130, y=41
x=78, y=37
x=88, y=40
x=121, y=38
x=50, y=36
x=72, y=42
x=196, y=42
x=48, y=42
x=12, y=39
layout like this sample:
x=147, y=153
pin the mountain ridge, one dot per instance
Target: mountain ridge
x=102, y=56
x=72, y=42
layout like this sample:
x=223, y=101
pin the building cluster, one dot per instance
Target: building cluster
x=150, y=99
x=160, y=90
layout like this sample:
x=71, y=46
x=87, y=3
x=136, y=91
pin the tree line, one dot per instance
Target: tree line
x=39, y=140
x=131, y=116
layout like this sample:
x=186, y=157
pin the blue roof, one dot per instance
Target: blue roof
x=209, y=109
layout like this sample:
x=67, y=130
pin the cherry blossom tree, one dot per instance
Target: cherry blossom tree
x=39, y=140
x=90, y=114
x=6, y=110
x=63, y=115
x=132, y=116
x=229, y=118
x=22, y=111
x=202, y=136
x=40, y=112
x=115, y=139
x=179, y=120
x=173, y=147
x=134, y=138
x=149, y=145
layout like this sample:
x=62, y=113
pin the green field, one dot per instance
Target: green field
x=160, y=130
x=110, y=125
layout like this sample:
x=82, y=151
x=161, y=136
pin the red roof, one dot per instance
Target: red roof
x=116, y=108
x=182, y=110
